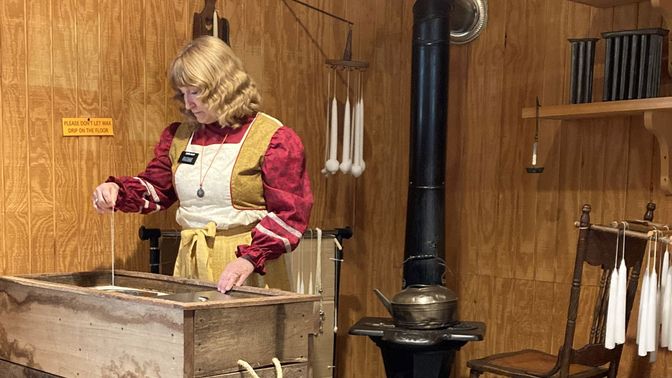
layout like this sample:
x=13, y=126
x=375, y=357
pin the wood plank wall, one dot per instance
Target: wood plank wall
x=108, y=58
x=516, y=241
x=509, y=234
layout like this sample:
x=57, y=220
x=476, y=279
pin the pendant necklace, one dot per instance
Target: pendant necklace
x=200, y=192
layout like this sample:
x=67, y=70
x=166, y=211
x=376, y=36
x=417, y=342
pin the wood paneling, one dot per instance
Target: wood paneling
x=609, y=163
x=66, y=159
x=87, y=65
x=40, y=137
x=510, y=236
x=15, y=137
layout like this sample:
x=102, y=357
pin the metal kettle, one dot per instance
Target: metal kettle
x=422, y=306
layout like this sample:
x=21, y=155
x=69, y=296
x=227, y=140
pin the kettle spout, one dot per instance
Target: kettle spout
x=386, y=302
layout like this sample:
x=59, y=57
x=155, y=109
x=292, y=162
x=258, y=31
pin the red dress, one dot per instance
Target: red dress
x=286, y=188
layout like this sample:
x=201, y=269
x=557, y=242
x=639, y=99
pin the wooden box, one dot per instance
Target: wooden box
x=62, y=325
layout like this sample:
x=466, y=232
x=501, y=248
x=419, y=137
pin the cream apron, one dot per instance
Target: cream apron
x=212, y=227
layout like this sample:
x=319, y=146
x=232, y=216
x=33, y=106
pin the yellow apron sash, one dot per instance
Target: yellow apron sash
x=204, y=253
x=192, y=258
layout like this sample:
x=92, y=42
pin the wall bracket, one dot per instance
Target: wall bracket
x=660, y=124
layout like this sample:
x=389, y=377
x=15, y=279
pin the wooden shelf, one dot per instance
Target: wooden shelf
x=657, y=114
x=607, y=3
x=600, y=109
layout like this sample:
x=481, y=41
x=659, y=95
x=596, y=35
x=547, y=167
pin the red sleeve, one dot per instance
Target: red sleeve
x=151, y=190
x=288, y=200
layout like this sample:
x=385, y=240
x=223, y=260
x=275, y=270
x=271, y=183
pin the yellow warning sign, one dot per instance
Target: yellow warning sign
x=87, y=127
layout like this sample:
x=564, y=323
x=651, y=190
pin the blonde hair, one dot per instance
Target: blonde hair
x=210, y=65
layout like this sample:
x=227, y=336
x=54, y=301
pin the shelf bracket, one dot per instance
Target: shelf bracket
x=658, y=122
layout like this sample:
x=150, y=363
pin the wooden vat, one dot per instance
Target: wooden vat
x=60, y=324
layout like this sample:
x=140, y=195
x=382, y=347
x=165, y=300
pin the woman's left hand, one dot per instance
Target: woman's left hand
x=235, y=274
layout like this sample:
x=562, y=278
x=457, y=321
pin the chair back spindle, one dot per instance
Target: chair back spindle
x=595, y=248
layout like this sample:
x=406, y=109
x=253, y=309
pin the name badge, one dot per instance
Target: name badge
x=188, y=157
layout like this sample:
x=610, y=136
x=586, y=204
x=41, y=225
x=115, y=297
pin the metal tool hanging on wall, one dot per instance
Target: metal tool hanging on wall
x=208, y=22
x=352, y=146
x=534, y=168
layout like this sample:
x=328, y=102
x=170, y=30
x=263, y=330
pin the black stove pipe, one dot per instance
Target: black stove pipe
x=424, y=252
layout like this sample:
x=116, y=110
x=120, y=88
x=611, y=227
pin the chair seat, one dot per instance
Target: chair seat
x=530, y=363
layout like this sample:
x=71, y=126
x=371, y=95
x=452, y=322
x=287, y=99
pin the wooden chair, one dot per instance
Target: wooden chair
x=596, y=248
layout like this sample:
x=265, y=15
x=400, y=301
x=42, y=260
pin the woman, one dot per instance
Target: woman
x=238, y=174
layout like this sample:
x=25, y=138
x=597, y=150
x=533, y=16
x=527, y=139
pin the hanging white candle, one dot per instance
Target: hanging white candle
x=328, y=128
x=361, y=128
x=652, y=305
x=356, y=124
x=665, y=298
x=668, y=305
x=361, y=136
x=353, y=126
x=609, y=339
x=346, y=163
x=665, y=264
x=643, y=315
x=643, y=309
x=318, y=264
x=332, y=163
x=357, y=144
x=619, y=329
x=357, y=156
x=621, y=291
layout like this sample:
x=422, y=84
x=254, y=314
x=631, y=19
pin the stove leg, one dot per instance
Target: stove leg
x=416, y=363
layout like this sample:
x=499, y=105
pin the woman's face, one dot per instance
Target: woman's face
x=196, y=107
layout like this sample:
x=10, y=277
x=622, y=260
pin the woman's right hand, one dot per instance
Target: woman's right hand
x=105, y=197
